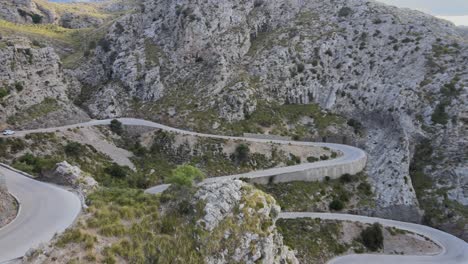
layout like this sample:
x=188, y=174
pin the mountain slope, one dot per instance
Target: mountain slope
x=390, y=80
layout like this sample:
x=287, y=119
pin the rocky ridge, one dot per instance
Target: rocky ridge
x=257, y=217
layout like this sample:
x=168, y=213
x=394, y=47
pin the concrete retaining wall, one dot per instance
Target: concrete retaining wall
x=315, y=174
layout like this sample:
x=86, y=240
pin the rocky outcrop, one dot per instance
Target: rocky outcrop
x=25, y=11
x=241, y=223
x=72, y=20
x=35, y=90
x=68, y=175
x=44, y=12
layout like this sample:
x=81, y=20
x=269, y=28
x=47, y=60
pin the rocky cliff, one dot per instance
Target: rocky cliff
x=400, y=74
x=35, y=90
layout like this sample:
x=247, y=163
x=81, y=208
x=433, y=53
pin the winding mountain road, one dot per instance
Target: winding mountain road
x=44, y=210
x=47, y=209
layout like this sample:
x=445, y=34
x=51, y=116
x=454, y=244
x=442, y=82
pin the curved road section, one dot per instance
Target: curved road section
x=47, y=209
x=454, y=250
x=44, y=210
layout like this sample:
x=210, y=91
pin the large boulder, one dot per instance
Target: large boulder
x=70, y=175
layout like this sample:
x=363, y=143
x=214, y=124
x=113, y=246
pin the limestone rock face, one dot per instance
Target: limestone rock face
x=383, y=66
x=241, y=221
x=25, y=11
x=69, y=175
x=41, y=12
x=36, y=89
x=72, y=20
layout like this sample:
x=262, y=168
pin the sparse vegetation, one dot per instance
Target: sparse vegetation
x=116, y=127
x=318, y=196
x=242, y=153
x=185, y=175
x=440, y=115
x=345, y=11
x=117, y=171
x=336, y=205
x=48, y=105
x=372, y=237
x=314, y=240
x=4, y=92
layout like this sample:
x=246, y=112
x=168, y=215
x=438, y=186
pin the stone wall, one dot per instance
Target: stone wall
x=315, y=173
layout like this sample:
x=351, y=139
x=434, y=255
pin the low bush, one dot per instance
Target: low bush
x=37, y=19
x=336, y=205
x=365, y=188
x=116, y=127
x=185, y=175
x=241, y=153
x=117, y=171
x=372, y=237
x=73, y=149
x=345, y=11
x=3, y=92
x=346, y=178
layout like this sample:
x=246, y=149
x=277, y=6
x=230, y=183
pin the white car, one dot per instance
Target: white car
x=8, y=132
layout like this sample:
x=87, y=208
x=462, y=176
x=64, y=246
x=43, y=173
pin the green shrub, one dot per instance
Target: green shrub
x=365, y=188
x=19, y=86
x=346, y=178
x=4, y=92
x=116, y=127
x=117, y=171
x=241, y=153
x=356, y=125
x=37, y=19
x=73, y=149
x=185, y=175
x=295, y=159
x=372, y=237
x=312, y=159
x=440, y=116
x=35, y=165
x=345, y=11
x=336, y=205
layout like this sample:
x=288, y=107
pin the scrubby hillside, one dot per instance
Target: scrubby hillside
x=389, y=80
x=216, y=223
